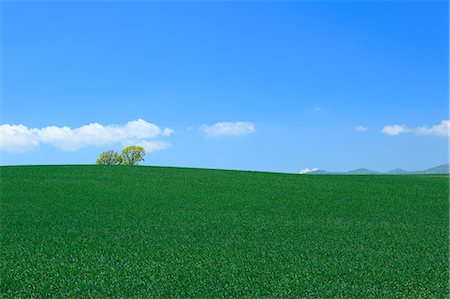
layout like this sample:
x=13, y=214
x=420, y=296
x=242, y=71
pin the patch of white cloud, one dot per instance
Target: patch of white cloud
x=141, y=129
x=307, y=170
x=442, y=129
x=228, y=129
x=19, y=138
x=361, y=129
x=395, y=129
x=167, y=132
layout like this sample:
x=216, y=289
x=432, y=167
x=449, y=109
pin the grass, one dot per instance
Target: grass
x=118, y=231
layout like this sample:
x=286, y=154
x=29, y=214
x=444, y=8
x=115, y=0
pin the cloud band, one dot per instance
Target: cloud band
x=442, y=129
x=228, y=129
x=19, y=138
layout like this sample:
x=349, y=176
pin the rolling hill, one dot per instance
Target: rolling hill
x=118, y=231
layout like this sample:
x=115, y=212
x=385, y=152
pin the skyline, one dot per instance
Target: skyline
x=249, y=86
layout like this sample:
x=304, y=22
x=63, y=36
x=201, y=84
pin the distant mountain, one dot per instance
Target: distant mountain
x=362, y=171
x=397, y=171
x=320, y=172
x=441, y=169
x=355, y=171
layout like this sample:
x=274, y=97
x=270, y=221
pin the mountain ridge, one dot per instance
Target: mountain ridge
x=440, y=169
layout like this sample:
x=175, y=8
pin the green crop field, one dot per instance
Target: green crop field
x=117, y=231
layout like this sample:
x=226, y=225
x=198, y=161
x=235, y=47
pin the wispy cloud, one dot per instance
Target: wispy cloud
x=228, y=129
x=442, y=129
x=167, y=132
x=361, y=129
x=19, y=138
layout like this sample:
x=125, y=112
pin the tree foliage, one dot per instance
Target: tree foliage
x=132, y=155
x=109, y=158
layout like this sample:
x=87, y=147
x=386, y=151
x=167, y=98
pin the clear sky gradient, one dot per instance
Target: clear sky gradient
x=292, y=80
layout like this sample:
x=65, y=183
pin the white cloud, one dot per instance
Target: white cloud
x=442, y=129
x=394, y=129
x=141, y=129
x=167, y=132
x=228, y=129
x=19, y=138
x=361, y=129
x=306, y=170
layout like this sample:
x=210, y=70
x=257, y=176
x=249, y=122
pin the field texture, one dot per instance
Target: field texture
x=169, y=232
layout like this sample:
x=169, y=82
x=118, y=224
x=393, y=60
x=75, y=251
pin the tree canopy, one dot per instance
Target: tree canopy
x=109, y=158
x=131, y=155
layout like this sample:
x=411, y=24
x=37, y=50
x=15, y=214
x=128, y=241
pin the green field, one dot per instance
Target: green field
x=175, y=232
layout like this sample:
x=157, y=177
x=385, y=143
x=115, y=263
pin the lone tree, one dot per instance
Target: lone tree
x=132, y=155
x=109, y=158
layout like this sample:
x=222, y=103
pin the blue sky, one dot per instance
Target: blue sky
x=272, y=86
